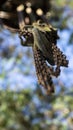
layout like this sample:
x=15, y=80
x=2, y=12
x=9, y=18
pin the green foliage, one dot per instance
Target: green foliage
x=21, y=110
x=11, y=106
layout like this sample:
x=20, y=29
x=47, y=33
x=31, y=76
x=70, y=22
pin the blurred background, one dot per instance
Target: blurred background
x=23, y=103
